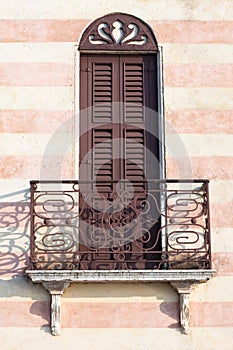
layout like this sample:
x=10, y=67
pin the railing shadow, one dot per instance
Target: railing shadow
x=14, y=233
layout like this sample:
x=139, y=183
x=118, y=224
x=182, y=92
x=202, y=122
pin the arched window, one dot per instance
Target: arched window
x=120, y=148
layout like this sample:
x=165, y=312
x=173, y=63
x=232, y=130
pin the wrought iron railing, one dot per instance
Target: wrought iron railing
x=121, y=225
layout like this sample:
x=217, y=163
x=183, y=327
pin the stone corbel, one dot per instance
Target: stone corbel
x=184, y=289
x=55, y=281
x=56, y=289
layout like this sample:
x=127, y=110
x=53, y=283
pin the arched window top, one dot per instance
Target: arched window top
x=118, y=32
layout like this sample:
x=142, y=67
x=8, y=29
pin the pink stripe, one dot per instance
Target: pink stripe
x=218, y=314
x=32, y=167
x=223, y=263
x=193, y=32
x=91, y=315
x=70, y=30
x=183, y=121
x=221, y=213
x=29, y=167
x=212, y=168
x=188, y=75
x=25, y=314
x=120, y=315
x=116, y=315
x=200, y=122
x=41, y=30
x=36, y=74
x=36, y=121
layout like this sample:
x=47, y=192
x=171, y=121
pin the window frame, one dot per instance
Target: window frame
x=84, y=47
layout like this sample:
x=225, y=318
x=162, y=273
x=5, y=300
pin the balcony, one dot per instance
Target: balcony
x=151, y=231
x=155, y=225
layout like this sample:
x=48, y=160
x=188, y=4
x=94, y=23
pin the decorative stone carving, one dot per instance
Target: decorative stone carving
x=184, y=312
x=56, y=289
x=184, y=289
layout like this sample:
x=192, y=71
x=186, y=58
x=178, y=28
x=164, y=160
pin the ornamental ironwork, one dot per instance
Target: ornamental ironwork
x=86, y=226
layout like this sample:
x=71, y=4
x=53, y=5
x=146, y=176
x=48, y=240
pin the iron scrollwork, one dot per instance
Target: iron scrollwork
x=122, y=229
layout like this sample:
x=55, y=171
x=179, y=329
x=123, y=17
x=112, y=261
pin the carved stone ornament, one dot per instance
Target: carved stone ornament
x=118, y=32
x=56, y=289
x=184, y=289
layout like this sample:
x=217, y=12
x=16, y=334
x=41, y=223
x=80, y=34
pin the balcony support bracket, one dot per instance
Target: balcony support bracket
x=184, y=289
x=56, y=281
x=56, y=289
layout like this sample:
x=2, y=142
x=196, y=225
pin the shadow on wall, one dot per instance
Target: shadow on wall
x=14, y=233
x=14, y=256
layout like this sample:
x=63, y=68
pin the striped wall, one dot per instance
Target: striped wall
x=38, y=42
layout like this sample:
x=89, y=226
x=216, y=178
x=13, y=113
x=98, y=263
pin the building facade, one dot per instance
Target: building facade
x=47, y=80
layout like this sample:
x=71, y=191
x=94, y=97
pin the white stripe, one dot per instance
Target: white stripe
x=201, y=338
x=196, y=145
x=221, y=191
x=37, y=52
x=198, y=98
x=157, y=9
x=221, y=238
x=13, y=190
x=140, y=292
x=218, y=289
x=197, y=53
x=35, y=144
x=204, y=145
x=46, y=98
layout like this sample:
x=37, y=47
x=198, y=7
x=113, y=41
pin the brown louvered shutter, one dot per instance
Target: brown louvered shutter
x=140, y=119
x=97, y=122
x=134, y=134
x=115, y=136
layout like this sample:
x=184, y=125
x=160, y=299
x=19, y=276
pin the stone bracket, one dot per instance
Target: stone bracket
x=56, y=281
x=184, y=289
x=56, y=289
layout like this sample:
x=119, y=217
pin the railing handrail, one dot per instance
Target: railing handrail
x=34, y=182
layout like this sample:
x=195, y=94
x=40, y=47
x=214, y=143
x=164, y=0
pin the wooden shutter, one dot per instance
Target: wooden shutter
x=102, y=92
x=140, y=122
x=134, y=134
x=133, y=92
x=110, y=130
